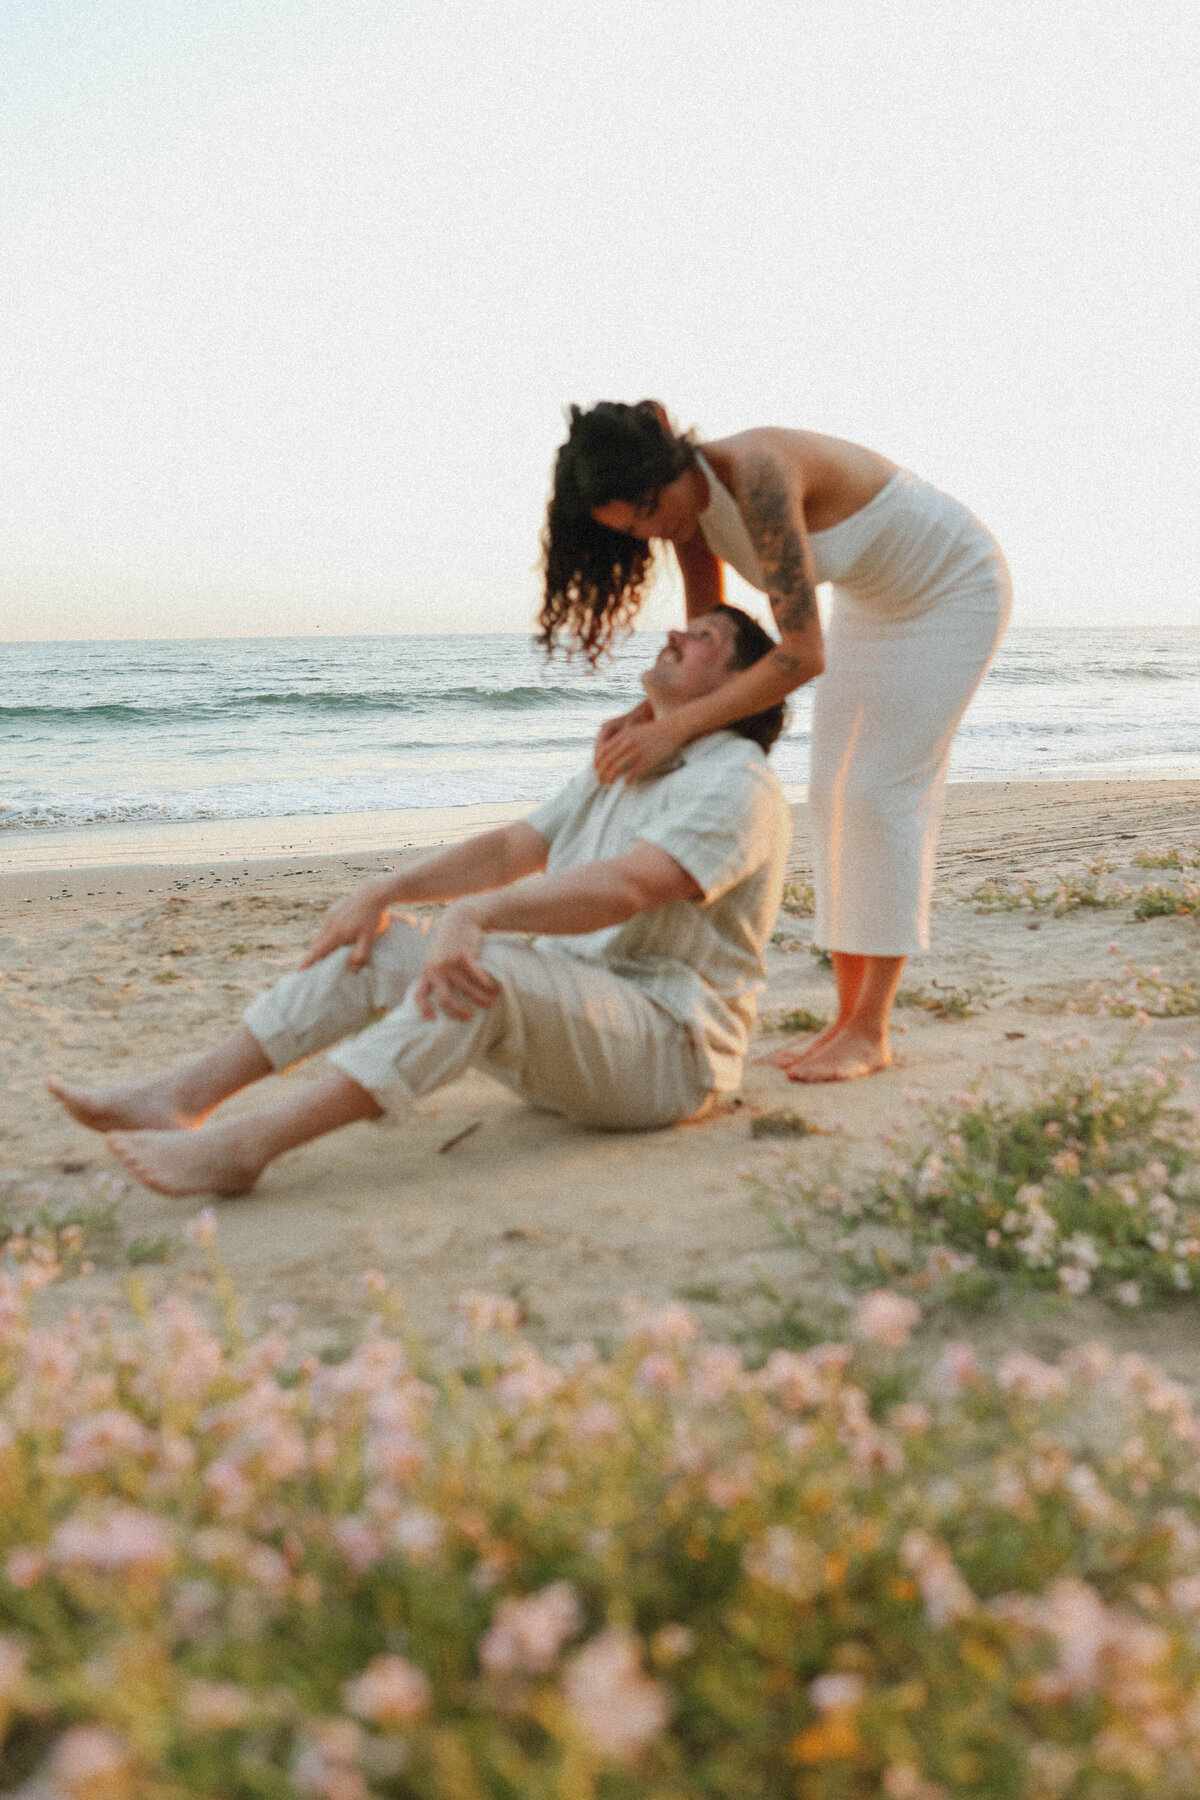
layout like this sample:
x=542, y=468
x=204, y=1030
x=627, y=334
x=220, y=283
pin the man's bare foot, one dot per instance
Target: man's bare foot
x=214, y=1160
x=141, y=1105
x=844, y=1057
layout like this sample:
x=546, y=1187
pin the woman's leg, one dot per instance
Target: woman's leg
x=848, y=974
x=884, y=719
x=857, y=1044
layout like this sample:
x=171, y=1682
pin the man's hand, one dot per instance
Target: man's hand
x=632, y=748
x=453, y=979
x=357, y=920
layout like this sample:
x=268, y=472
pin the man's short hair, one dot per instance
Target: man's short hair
x=750, y=644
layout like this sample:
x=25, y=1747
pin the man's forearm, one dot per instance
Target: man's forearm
x=575, y=900
x=491, y=860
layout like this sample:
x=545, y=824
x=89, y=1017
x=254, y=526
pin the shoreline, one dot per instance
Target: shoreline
x=989, y=827
x=48, y=850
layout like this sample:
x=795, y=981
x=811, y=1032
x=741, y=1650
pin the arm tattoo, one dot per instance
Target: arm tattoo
x=771, y=522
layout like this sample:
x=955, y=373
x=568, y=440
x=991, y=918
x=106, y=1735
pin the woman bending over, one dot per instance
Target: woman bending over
x=921, y=597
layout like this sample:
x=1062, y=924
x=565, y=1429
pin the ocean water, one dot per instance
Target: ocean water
x=104, y=733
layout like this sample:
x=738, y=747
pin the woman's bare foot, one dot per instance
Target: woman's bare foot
x=843, y=1057
x=213, y=1160
x=787, y=1058
x=140, y=1105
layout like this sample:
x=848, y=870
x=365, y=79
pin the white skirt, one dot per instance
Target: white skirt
x=884, y=717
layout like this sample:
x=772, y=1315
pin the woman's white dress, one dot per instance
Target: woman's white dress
x=921, y=598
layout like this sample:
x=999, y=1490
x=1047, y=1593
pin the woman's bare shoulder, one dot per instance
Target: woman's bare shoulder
x=833, y=472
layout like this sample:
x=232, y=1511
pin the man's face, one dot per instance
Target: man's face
x=692, y=662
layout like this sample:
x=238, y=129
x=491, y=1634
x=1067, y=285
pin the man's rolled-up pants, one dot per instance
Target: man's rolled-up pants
x=569, y=1036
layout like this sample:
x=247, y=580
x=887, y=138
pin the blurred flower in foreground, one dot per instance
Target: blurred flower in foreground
x=886, y=1318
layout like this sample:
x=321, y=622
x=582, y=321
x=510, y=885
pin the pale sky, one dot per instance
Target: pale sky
x=293, y=292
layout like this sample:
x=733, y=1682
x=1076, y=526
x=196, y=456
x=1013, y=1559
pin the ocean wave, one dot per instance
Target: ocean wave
x=244, y=705
x=1021, y=674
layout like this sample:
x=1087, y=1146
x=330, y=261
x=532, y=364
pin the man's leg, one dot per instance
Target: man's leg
x=579, y=1039
x=227, y=1158
x=174, y=1101
x=302, y=1013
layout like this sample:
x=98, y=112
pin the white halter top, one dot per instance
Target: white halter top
x=893, y=556
x=725, y=530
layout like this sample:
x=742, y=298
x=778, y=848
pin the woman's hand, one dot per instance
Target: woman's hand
x=637, y=715
x=453, y=979
x=630, y=747
x=356, y=920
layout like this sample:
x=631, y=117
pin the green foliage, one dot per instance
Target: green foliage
x=1087, y=1180
x=943, y=1002
x=797, y=1018
x=65, y=1223
x=799, y=899
x=784, y=1124
x=1001, y=893
x=1173, y=856
x=1147, y=994
x=1156, y=902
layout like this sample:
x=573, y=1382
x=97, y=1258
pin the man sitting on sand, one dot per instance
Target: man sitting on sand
x=632, y=1008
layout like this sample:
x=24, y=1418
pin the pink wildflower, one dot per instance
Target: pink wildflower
x=391, y=1692
x=784, y=1560
x=672, y=1327
x=887, y=1318
x=526, y=1635
x=1027, y=1375
x=418, y=1534
x=529, y=1380
x=121, y=1541
x=25, y=1565
x=837, y=1693
x=599, y=1420
x=714, y=1372
x=670, y=1644
x=90, y=1762
x=956, y=1368
x=324, y=1767
x=216, y=1705
x=943, y=1589
x=617, y=1708
x=794, y=1380
x=658, y=1372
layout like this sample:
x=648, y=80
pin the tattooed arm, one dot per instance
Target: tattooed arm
x=774, y=515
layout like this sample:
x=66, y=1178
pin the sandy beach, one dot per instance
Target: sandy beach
x=111, y=967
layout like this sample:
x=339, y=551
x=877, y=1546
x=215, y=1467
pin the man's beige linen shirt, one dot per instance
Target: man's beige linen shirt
x=720, y=812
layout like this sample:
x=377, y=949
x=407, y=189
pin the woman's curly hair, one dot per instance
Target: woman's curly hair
x=595, y=578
